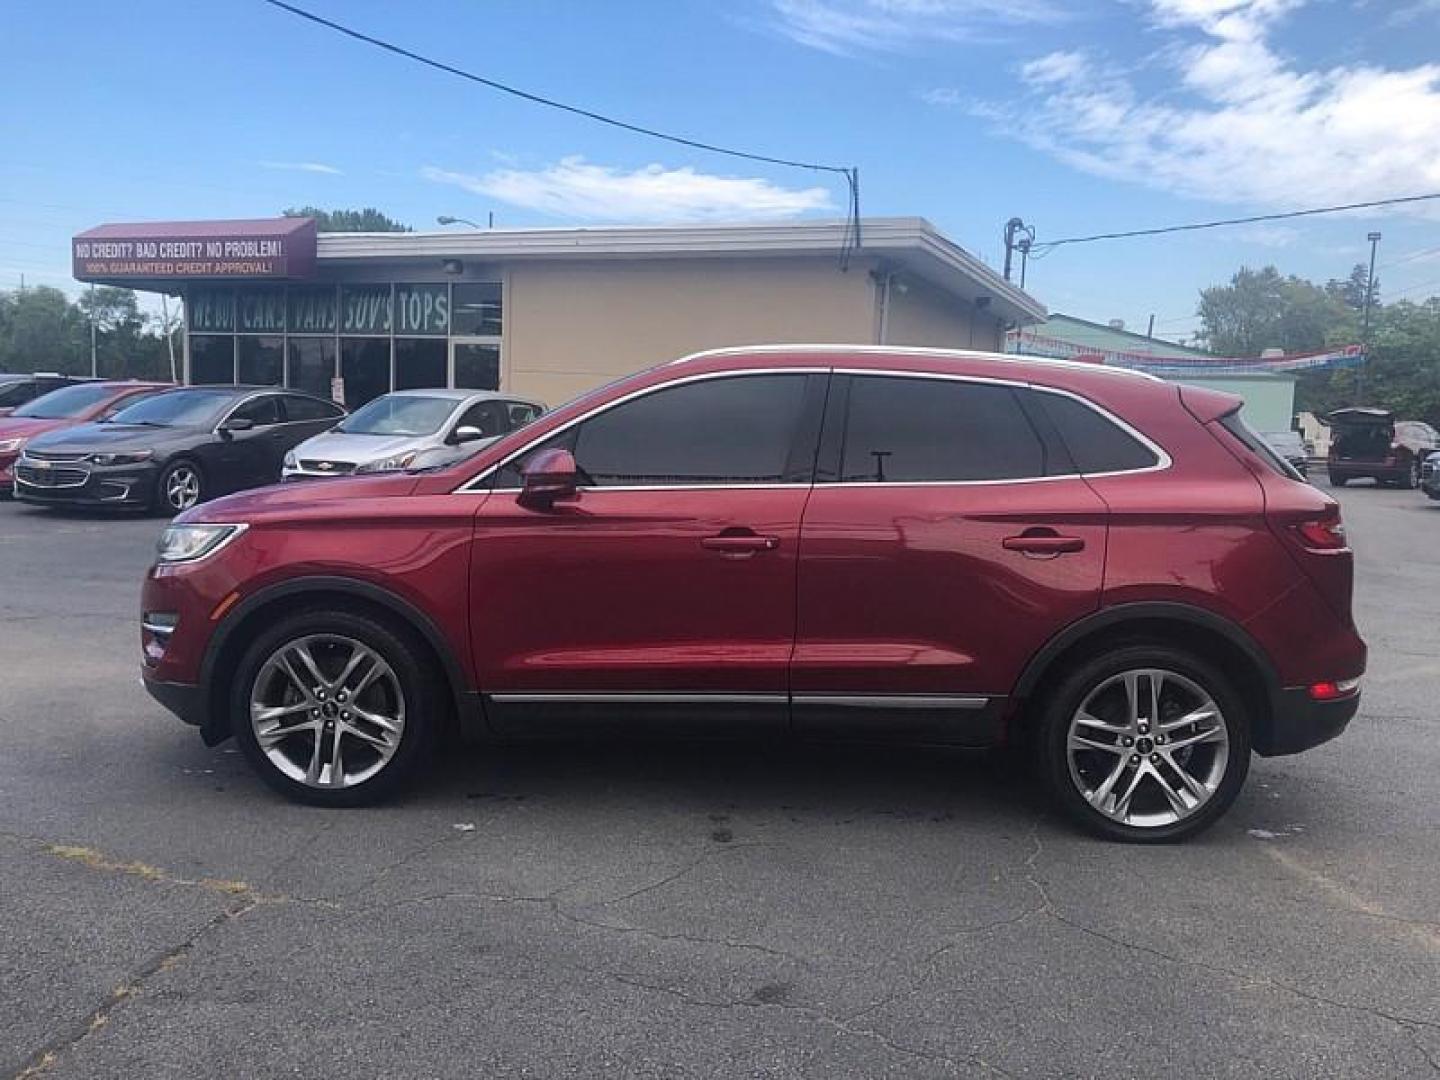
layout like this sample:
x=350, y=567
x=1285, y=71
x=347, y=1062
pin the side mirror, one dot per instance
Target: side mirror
x=549, y=477
x=238, y=423
x=466, y=434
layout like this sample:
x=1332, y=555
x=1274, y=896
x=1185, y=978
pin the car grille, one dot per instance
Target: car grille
x=51, y=478
x=328, y=468
x=42, y=455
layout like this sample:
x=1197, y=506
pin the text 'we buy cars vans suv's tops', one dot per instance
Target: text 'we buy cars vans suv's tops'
x=939, y=547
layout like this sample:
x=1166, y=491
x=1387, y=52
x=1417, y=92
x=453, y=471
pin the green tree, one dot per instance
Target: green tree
x=1351, y=290
x=367, y=220
x=41, y=330
x=1261, y=309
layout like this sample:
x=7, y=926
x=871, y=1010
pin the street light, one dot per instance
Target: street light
x=1374, y=239
x=446, y=219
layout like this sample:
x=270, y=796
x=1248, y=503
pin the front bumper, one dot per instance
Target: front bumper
x=1298, y=722
x=82, y=484
x=186, y=702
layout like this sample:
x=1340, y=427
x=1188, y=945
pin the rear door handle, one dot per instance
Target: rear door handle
x=740, y=543
x=1047, y=543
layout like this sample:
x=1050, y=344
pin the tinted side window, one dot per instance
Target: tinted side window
x=490, y=417
x=520, y=415
x=307, y=408
x=264, y=410
x=1095, y=442
x=736, y=430
x=16, y=393
x=901, y=430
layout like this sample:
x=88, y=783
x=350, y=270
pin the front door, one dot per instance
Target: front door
x=665, y=591
x=942, y=546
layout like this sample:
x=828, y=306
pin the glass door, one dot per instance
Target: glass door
x=474, y=364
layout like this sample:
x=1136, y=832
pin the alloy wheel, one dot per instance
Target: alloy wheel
x=182, y=487
x=327, y=711
x=1147, y=747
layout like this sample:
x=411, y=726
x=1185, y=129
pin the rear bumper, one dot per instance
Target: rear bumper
x=1360, y=470
x=1299, y=723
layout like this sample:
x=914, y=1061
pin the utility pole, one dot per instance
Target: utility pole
x=94, y=354
x=1374, y=239
x=1018, y=237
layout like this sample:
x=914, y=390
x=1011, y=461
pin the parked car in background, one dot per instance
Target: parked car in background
x=173, y=450
x=1368, y=442
x=1290, y=445
x=870, y=542
x=63, y=408
x=17, y=389
x=410, y=429
x=1430, y=476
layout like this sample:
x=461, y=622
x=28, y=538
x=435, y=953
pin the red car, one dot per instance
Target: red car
x=947, y=548
x=67, y=407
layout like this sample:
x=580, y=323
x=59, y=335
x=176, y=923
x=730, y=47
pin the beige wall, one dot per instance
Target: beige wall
x=923, y=315
x=572, y=327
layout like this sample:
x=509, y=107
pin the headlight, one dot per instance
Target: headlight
x=132, y=458
x=290, y=459
x=389, y=464
x=9, y=446
x=189, y=543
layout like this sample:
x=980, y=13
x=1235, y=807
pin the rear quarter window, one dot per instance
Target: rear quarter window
x=1242, y=431
x=1096, y=443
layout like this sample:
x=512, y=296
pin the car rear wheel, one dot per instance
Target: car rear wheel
x=334, y=708
x=181, y=486
x=1411, y=479
x=1145, y=743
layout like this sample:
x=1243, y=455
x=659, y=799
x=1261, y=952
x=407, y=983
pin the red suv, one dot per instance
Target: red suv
x=940, y=547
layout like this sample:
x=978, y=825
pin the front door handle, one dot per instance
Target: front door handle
x=740, y=543
x=1043, y=542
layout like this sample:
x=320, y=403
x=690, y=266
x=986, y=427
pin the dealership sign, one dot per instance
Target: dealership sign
x=181, y=250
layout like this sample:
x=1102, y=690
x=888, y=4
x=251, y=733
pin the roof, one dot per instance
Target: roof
x=911, y=243
x=456, y=394
x=1080, y=331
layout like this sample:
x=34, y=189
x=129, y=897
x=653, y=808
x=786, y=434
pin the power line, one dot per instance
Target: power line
x=1050, y=245
x=551, y=102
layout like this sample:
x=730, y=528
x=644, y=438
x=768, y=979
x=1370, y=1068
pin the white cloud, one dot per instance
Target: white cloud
x=847, y=27
x=573, y=188
x=302, y=166
x=1246, y=125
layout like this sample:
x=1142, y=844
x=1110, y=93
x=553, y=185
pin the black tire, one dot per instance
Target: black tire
x=162, y=502
x=419, y=686
x=1076, y=685
x=1338, y=481
x=1411, y=480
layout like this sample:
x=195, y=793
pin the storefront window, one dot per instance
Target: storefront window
x=312, y=309
x=365, y=366
x=262, y=360
x=422, y=309
x=261, y=311
x=419, y=363
x=311, y=365
x=477, y=367
x=476, y=309
x=212, y=358
x=208, y=310
x=365, y=309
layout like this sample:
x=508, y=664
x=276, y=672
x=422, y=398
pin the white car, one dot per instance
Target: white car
x=410, y=429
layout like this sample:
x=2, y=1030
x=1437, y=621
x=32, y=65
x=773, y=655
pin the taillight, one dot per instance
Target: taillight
x=1323, y=534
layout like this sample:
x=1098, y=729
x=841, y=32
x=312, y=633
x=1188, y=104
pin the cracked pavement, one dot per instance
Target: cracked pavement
x=645, y=910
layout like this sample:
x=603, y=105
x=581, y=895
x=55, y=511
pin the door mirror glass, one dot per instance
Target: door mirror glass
x=466, y=434
x=549, y=476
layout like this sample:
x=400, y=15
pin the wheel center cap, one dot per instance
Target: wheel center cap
x=1144, y=745
x=329, y=710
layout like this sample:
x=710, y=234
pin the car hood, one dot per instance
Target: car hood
x=27, y=427
x=338, y=446
x=90, y=438
x=291, y=500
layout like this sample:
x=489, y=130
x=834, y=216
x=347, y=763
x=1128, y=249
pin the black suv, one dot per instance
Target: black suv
x=17, y=389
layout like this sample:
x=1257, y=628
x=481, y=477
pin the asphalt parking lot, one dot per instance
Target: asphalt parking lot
x=692, y=910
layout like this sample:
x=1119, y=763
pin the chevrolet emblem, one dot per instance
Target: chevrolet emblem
x=325, y=466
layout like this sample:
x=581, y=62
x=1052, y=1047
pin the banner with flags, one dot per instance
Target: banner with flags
x=1028, y=343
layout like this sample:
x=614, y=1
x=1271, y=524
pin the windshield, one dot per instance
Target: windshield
x=178, y=408
x=66, y=402
x=395, y=415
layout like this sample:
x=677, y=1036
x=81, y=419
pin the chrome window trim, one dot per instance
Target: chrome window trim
x=1163, y=459
x=468, y=488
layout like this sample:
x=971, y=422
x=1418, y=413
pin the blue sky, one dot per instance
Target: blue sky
x=1079, y=117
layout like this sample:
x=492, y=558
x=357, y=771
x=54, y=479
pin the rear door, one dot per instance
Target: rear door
x=947, y=538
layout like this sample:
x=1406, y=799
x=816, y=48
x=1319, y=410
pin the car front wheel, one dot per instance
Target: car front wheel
x=334, y=708
x=1145, y=743
x=181, y=486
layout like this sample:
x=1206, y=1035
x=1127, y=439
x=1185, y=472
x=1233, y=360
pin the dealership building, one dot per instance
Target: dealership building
x=542, y=313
